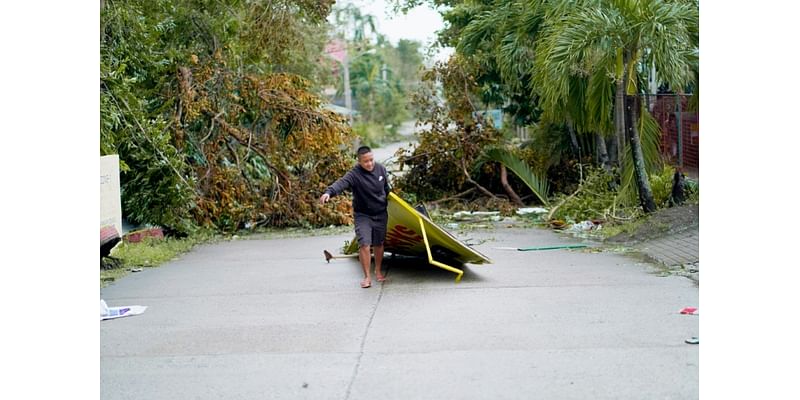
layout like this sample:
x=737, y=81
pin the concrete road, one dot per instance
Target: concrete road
x=269, y=319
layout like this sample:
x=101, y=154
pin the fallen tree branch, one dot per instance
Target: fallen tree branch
x=561, y=203
x=470, y=190
x=234, y=132
x=477, y=185
x=211, y=129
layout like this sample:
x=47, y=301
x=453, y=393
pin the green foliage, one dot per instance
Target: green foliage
x=356, y=26
x=661, y=184
x=662, y=187
x=379, y=100
x=692, y=188
x=559, y=67
x=499, y=37
x=450, y=147
x=594, y=200
x=131, y=122
x=370, y=134
x=151, y=252
x=208, y=105
x=615, y=41
x=381, y=75
x=549, y=144
x=406, y=60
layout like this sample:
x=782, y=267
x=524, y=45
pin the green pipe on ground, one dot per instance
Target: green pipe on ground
x=569, y=246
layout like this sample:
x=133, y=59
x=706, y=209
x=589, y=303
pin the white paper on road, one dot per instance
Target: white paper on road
x=107, y=312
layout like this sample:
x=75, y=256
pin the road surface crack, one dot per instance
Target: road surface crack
x=363, y=342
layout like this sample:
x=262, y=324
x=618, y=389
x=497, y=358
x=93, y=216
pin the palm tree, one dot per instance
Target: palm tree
x=353, y=25
x=609, y=40
x=379, y=94
x=506, y=32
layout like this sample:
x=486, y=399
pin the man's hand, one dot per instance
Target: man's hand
x=324, y=198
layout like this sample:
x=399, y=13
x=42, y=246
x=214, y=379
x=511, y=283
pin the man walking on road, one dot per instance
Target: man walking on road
x=369, y=183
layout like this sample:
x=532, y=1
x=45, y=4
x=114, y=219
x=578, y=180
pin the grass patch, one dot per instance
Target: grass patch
x=150, y=252
x=611, y=230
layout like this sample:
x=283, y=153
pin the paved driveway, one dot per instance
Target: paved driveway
x=269, y=319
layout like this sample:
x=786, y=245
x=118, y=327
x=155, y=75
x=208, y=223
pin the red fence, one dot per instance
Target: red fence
x=680, y=130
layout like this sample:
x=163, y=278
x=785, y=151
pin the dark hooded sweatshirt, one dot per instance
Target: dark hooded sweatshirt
x=370, y=189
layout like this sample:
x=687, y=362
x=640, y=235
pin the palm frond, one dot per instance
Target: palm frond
x=671, y=30
x=600, y=103
x=515, y=60
x=536, y=182
x=477, y=32
x=568, y=47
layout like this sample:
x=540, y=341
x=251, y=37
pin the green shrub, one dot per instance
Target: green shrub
x=371, y=135
x=594, y=199
x=661, y=185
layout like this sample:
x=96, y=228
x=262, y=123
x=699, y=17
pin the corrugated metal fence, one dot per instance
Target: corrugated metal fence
x=680, y=129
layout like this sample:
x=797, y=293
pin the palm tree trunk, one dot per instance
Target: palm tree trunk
x=612, y=144
x=602, y=152
x=619, y=120
x=642, y=182
x=626, y=115
x=576, y=148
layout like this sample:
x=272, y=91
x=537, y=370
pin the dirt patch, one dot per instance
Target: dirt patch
x=663, y=222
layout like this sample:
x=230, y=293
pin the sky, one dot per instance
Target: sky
x=421, y=23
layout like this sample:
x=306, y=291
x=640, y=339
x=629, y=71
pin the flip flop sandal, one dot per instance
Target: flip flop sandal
x=366, y=283
x=381, y=278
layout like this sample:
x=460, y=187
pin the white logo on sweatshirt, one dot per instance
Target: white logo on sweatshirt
x=380, y=178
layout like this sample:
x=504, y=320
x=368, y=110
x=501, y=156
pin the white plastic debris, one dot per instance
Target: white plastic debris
x=103, y=308
x=107, y=312
x=474, y=215
x=582, y=226
x=531, y=210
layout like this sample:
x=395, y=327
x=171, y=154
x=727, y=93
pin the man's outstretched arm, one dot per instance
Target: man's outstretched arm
x=344, y=183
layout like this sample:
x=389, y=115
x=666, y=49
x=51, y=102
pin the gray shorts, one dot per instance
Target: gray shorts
x=371, y=229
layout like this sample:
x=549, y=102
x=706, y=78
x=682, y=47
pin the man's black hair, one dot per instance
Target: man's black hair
x=363, y=150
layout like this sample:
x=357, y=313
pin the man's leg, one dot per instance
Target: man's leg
x=379, y=236
x=364, y=257
x=364, y=236
x=378, y=250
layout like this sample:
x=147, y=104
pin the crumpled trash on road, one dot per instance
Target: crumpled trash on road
x=107, y=312
x=584, y=226
x=690, y=311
